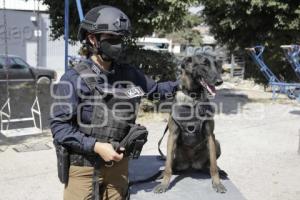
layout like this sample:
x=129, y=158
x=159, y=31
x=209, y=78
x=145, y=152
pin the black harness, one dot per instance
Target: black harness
x=189, y=118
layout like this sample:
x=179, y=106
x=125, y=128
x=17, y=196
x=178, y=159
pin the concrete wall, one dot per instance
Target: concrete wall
x=23, y=40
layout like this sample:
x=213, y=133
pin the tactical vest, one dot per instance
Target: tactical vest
x=113, y=109
x=190, y=118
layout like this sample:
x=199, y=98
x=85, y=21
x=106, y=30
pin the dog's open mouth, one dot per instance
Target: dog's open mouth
x=210, y=88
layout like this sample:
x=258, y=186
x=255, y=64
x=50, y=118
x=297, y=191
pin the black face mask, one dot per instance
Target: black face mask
x=110, y=49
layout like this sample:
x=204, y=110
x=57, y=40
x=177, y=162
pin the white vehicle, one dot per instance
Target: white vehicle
x=155, y=44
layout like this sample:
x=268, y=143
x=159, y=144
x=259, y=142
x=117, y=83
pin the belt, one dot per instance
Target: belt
x=81, y=160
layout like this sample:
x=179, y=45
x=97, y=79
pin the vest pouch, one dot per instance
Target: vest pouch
x=108, y=133
x=106, y=127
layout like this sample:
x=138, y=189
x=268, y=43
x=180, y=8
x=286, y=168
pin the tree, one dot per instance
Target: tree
x=244, y=23
x=161, y=66
x=186, y=34
x=146, y=16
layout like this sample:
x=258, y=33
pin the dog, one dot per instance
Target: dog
x=191, y=141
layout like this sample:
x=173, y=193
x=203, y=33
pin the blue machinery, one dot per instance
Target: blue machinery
x=66, y=29
x=290, y=89
x=292, y=53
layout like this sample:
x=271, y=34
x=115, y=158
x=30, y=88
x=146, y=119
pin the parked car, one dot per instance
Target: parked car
x=19, y=70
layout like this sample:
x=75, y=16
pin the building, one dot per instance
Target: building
x=28, y=34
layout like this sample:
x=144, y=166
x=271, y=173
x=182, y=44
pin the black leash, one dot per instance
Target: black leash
x=162, y=156
x=96, y=185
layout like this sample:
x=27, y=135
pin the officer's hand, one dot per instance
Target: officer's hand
x=107, y=152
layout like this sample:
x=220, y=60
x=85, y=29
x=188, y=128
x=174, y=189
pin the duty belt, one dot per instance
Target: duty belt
x=81, y=160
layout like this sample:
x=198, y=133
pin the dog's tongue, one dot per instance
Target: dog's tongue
x=210, y=88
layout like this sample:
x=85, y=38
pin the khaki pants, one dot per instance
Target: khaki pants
x=114, y=180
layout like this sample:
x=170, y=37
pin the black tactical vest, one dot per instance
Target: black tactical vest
x=113, y=108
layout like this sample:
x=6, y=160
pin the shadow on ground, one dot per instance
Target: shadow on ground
x=295, y=112
x=230, y=101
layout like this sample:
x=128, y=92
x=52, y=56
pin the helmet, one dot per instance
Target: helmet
x=104, y=19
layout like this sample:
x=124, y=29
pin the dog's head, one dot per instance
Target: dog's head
x=200, y=72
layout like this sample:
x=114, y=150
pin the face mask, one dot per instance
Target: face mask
x=110, y=49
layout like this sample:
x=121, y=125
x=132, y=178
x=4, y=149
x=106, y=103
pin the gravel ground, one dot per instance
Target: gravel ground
x=259, y=139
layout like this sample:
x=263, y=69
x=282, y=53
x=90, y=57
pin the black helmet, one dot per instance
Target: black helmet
x=104, y=19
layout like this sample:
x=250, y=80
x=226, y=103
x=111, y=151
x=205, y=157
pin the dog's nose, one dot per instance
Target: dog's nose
x=219, y=82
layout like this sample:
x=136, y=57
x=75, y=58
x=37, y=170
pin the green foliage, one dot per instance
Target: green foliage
x=245, y=23
x=186, y=34
x=160, y=66
x=146, y=15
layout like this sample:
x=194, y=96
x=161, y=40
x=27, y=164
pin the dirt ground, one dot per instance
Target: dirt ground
x=259, y=139
x=260, y=151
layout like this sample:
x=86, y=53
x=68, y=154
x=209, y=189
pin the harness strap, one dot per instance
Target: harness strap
x=162, y=156
x=87, y=75
x=196, y=127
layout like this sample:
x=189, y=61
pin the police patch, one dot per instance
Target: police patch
x=135, y=92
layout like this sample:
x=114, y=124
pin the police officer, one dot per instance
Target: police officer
x=101, y=32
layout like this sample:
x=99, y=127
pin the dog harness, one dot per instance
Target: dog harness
x=189, y=118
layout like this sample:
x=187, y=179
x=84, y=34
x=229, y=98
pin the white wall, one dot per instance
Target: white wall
x=24, y=5
x=23, y=42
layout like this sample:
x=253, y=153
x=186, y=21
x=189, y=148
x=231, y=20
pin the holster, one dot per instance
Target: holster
x=63, y=163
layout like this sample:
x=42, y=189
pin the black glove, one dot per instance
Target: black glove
x=134, y=141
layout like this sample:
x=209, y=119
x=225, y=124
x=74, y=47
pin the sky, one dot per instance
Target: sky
x=195, y=9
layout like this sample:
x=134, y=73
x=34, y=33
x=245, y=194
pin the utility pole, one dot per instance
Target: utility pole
x=66, y=30
x=299, y=143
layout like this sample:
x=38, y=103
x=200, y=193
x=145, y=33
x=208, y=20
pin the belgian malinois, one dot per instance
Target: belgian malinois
x=191, y=141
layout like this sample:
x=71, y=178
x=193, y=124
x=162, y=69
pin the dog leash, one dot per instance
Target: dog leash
x=162, y=156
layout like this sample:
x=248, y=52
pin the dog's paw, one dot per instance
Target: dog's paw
x=220, y=188
x=161, y=188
